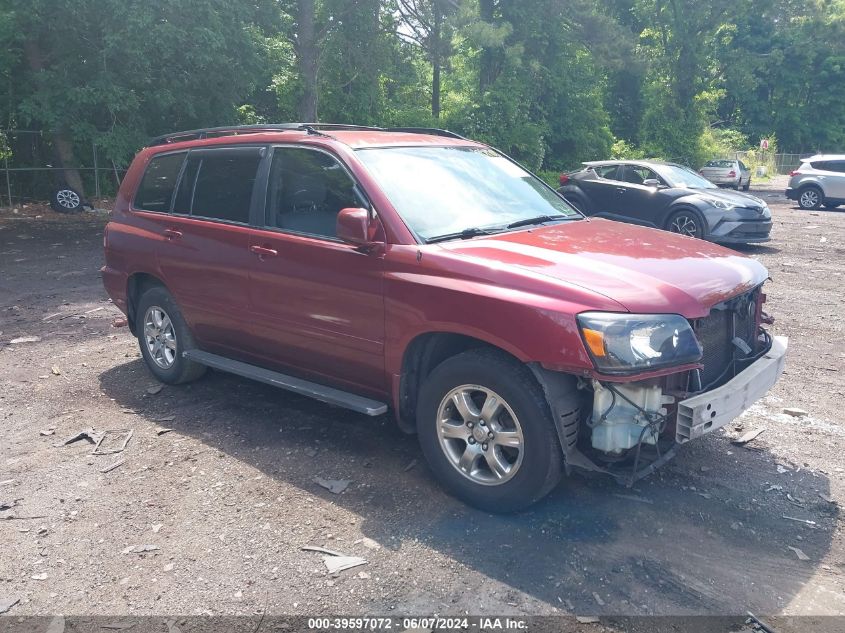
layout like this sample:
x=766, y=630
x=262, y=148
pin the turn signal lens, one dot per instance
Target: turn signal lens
x=595, y=341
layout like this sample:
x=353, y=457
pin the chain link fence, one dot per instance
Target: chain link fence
x=764, y=163
x=29, y=175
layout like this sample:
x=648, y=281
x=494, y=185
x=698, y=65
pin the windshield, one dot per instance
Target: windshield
x=678, y=176
x=443, y=192
x=722, y=164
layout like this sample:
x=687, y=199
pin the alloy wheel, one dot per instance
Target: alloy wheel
x=809, y=199
x=684, y=225
x=67, y=198
x=160, y=337
x=480, y=435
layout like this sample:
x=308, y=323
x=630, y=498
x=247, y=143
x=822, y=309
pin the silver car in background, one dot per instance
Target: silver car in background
x=727, y=172
x=820, y=180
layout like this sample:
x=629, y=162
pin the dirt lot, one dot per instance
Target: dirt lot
x=227, y=498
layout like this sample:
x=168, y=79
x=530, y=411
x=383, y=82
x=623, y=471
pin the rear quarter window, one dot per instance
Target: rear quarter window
x=155, y=192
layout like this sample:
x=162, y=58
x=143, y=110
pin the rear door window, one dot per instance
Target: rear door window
x=638, y=175
x=156, y=190
x=608, y=172
x=837, y=166
x=225, y=180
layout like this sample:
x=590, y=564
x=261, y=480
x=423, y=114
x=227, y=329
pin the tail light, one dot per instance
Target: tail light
x=794, y=172
x=564, y=178
x=732, y=174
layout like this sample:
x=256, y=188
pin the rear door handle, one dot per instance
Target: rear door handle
x=172, y=234
x=263, y=251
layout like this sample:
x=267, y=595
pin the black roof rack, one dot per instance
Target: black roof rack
x=434, y=131
x=234, y=130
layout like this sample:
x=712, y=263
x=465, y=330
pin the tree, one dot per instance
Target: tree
x=115, y=72
x=426, y=23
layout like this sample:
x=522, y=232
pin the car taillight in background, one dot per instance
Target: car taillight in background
x=732, y=174
x=794, y=172
x=564, y=178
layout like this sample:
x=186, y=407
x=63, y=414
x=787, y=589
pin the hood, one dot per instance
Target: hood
x=645, y=270
x=736, y=198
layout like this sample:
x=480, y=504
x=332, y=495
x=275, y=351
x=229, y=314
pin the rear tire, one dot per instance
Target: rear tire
x=747, y=185
x=810, y=198
x=502, y=457
x=685, y=223
x=163, y=335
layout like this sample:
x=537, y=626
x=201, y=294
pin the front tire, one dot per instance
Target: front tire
x=487, y=433
x=685, y=223
x=747, y=185
x=163, y=335
x=810, y=198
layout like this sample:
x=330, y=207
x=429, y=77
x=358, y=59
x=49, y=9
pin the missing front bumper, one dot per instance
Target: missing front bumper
x=714, y=409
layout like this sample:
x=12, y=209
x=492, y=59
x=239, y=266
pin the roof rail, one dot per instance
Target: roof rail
x=434, y=131
x=234, y=130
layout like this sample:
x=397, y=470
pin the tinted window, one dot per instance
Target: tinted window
x=156, y=190
x=638, y=175
x=836, y=165
x=306, y=190
x=606, y=171
x=224, y=184
x=743, y=166
x=185, y=190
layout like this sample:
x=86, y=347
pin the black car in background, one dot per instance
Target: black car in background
x=667, y=196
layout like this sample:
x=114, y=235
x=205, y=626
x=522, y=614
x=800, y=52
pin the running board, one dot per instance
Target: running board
x=329, y=395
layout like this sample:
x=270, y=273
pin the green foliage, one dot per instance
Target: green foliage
x=5, y=150
x=552, y=84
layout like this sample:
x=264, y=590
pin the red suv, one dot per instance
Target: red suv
x=419, y=272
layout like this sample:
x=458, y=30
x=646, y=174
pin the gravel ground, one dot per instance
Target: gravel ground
x=211, y=516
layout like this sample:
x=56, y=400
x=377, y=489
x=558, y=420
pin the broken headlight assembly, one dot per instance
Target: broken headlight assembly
x=621, y=343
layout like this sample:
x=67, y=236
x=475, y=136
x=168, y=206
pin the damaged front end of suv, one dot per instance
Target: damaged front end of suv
x=661, y=381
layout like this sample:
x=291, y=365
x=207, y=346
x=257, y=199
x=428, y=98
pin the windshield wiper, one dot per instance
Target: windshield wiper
x=463, y=235
x=539, y=220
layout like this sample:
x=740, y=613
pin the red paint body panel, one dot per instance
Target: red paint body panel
x=345, y=316
x=318, y=307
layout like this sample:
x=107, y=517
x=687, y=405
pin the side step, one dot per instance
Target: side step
x=329, y=395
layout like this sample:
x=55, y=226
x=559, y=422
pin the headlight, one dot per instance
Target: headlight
x=622, y=343
x=719, y=204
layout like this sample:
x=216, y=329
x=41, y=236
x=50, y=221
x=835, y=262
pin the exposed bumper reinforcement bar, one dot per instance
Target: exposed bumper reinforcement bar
x=714, y=409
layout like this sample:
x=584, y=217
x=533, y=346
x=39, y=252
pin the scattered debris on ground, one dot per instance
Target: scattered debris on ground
x=746, y=437
x=335, y=486
x=113, y=441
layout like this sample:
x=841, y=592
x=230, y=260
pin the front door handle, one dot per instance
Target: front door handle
x=172, y=234
x=263, y=251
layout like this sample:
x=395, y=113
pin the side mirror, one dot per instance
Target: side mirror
x=652, y=182
x=354, y=226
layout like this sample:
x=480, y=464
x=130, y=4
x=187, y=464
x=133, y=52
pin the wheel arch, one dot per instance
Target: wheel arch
x=421, y=355
x=136, y=284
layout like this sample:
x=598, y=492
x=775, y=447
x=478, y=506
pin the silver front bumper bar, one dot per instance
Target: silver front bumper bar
x=714, y=409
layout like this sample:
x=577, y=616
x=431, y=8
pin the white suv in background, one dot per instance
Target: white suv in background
x=820, y=180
